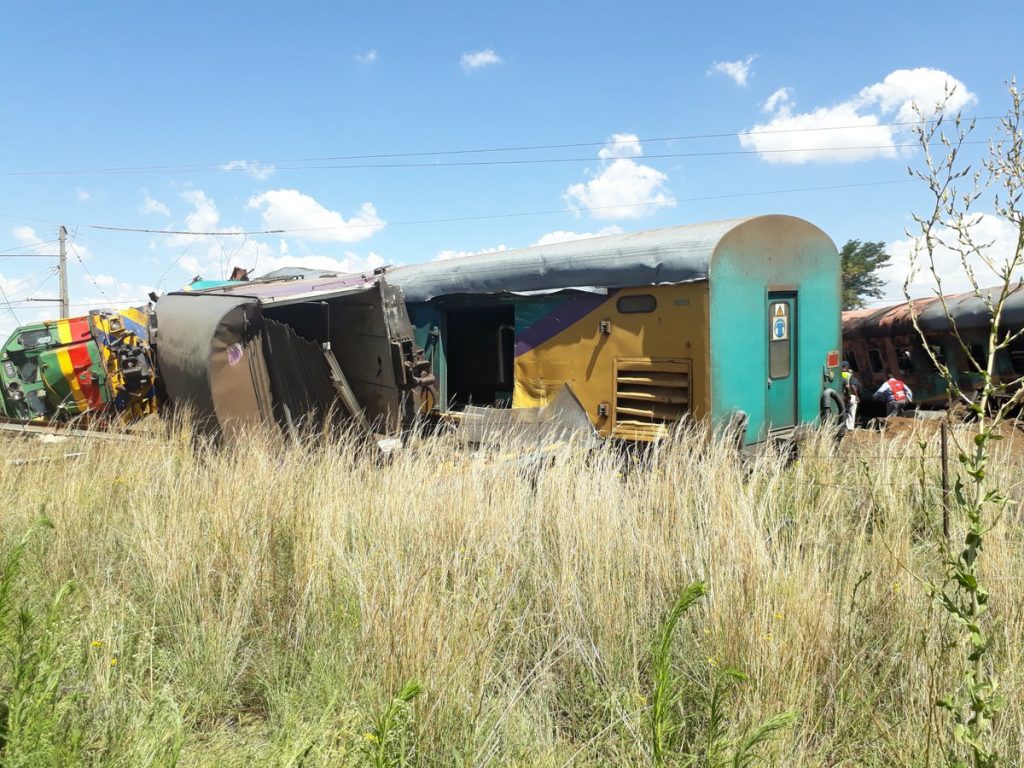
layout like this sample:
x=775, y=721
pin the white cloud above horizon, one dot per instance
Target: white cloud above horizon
x=998, y=235
x=152, y=205
x=290, y=209
x=548, y=238
x=478, y=59
x=623, y=188
x=780, y=98
x=859, y=128
x=737, y=71
x=255, y=170
x=564, y=236
x=368, y=57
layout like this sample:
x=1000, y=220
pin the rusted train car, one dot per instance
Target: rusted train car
x=882, y=341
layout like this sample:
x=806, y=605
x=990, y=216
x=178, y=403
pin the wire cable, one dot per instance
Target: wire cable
x=516, y=214
x=78, y=256
x=234, y=166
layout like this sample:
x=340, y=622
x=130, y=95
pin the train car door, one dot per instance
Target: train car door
x=780, y=408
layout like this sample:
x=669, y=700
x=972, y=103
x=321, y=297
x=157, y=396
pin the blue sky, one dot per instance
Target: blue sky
x=219, y=117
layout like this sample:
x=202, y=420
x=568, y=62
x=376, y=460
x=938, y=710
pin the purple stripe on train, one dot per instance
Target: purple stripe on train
x=574, y=307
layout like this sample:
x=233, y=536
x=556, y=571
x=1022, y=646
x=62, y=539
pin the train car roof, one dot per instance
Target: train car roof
x=285, y=286
x=671, y=255
x=968, y=311
x=681, y=254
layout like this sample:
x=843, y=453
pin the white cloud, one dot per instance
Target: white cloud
x=901, y=89
x=563, y=236
x=451, y=254
x=623, y=189
x=82, y=194
x=151, y=205
x=104, y=280
x=621, y=145
x=29, y=239
x=780, y=98
x=825, y=134
x=204, y=216
x=478, y=59
x=739, y=71
x=254, y=169
x=290, y=209
x=113, y=291
x=349, y=262
x=367, y=58
x=998, y=235
x=32, y=243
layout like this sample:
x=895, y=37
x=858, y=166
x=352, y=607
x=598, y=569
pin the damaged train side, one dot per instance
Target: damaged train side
x=297, y=353
x=97, y=366
x=883, y=341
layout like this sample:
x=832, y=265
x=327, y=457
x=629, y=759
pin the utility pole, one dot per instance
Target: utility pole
x=62, y=267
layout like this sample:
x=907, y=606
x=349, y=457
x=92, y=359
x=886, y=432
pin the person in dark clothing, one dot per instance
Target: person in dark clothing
x=852, y=392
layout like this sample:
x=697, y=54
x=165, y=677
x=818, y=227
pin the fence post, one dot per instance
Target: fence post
x=945, y=478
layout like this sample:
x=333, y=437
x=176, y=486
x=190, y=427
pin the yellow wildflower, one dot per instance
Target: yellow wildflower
x=97, y=643
x=113, y=661
x=370, y=736
x=712, y=661
x=769, y=637
x=778, y=616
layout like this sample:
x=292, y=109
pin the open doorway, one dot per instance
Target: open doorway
x=480, y=351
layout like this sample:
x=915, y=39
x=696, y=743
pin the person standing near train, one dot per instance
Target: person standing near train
x=851, y=394
x=896, y=394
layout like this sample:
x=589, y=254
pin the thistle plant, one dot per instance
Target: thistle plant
x=954, y=226
x=676, y=706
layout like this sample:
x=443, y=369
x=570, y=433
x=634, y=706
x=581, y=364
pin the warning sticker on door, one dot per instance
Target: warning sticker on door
x=780, y=310
x=780, y=328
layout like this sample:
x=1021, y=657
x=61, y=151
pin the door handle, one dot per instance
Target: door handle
x=769, y=382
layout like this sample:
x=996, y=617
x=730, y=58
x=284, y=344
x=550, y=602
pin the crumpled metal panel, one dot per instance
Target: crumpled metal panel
x=654, y=257
x=211, y=359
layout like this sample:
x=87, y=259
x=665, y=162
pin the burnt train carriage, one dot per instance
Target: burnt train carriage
x=882, y=341
x=706, y=320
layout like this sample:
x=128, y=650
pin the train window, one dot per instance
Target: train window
x=1017, y=361
x=980, y=354
x=905, y=360
x=875, y=358
x=851, y=358
x=778, y=359
x=506, y=338
x=938, y=354
x=37, y=338
x=631, y=305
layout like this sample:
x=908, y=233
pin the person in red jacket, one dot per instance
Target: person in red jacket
x=896, y=394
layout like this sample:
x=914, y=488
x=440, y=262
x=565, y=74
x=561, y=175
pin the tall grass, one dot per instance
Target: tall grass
x=315, y=605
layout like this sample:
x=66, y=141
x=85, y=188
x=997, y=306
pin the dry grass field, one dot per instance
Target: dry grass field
x=284, y=606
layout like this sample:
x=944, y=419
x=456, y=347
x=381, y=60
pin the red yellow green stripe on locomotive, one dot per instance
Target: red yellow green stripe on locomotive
x=80, y=367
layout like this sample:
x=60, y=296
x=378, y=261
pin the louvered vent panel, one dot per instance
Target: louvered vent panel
x=651, y=397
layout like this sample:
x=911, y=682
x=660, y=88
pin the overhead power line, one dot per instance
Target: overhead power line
x=235, y=166
x=511, y=215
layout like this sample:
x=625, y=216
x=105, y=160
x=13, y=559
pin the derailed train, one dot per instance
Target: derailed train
x=883, y=341
x=736, y=321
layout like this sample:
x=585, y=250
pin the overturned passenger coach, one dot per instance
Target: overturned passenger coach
x=725, y=319
x=736, y=320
